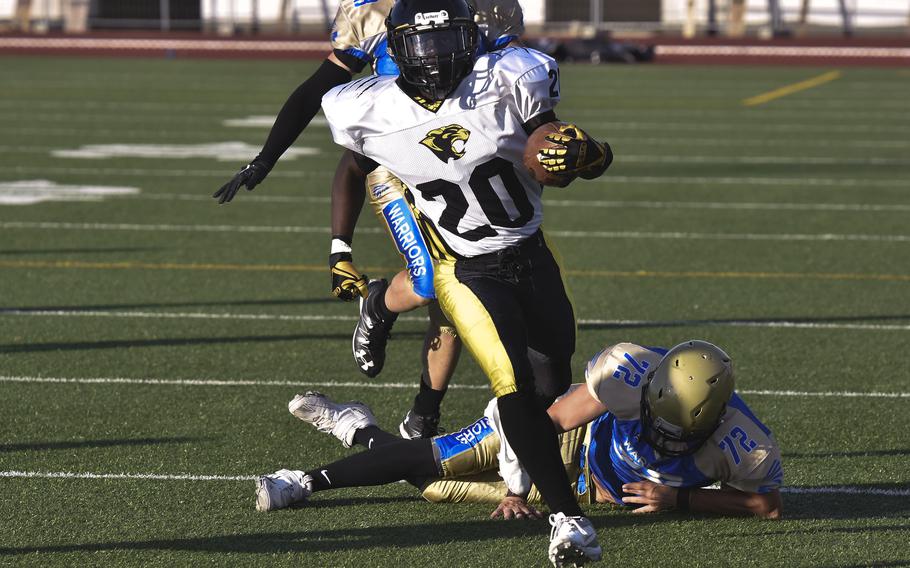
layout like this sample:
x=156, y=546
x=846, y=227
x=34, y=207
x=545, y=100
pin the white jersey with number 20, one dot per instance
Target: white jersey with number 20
x=462, y=160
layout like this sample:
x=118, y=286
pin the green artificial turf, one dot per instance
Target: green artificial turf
x=683, y=238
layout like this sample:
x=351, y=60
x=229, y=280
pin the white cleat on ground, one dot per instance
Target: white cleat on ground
x=573, y=541
x=282, y=489
x=340, y=419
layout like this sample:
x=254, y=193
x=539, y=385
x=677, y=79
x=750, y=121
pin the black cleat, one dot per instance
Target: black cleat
x=372, y=332
x=419, y=426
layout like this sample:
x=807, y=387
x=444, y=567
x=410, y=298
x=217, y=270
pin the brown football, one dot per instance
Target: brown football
x=536, y=141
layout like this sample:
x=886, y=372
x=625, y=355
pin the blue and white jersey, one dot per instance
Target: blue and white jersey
x=359, y=29
x=742, y=452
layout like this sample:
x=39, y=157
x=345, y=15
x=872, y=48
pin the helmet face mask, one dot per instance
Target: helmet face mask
x=685, y=398
x=434, y=44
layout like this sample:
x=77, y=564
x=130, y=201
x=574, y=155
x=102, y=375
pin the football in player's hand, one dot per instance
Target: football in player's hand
x=536, y=141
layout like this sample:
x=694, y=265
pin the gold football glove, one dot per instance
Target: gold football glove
x=576, y=153
x=347, y=281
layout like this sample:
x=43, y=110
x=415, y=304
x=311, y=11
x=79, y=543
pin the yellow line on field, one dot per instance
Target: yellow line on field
x=790, y=89
x=386, y=269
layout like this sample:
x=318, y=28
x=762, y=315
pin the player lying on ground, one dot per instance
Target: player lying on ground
x=650, y=429
x=454, y=128
x=359, y=39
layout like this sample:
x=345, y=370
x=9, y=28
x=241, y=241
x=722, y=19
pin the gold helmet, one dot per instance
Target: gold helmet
x=685, y=397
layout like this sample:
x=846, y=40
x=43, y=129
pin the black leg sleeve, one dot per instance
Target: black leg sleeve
x=299, y=110
x=405, y=459
x=533, y=437
x=374, y=437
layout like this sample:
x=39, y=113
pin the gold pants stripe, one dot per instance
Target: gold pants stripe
x=475, y=328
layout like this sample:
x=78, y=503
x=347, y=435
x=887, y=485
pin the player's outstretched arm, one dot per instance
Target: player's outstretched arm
x=348, y=194
x=655, y=497
x=295, y=115
x=574, y=409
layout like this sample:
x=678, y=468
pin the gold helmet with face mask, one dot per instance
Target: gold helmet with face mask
x=685, y=397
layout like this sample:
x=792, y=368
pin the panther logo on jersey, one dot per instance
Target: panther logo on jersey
x=447, y=142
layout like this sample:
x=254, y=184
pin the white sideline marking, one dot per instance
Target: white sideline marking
x=566, y=234
x=313, y=317
x=190, y=477
x=221, y=151
x=373, y=385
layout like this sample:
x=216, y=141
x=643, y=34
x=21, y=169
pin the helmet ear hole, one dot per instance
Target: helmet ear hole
x=712, y=381
x=660, y=393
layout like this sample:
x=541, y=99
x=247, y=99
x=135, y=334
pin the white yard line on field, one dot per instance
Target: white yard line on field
x=846, y=490
x=670, y=181
x=375, y=385
x=781, y=324
x=15, y=474
x=582, y=203
x=760, y=160
x=775, y=181
x=44, y=171
x=143, y=476
x=225, y=383
x=32, y=225
x=672, y=158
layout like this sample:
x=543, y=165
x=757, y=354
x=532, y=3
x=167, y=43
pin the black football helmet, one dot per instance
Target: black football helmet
x=434, y=44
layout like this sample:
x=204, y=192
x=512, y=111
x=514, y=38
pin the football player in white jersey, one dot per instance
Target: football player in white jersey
x=358, y=39
x=650, y=429
x=453, y=127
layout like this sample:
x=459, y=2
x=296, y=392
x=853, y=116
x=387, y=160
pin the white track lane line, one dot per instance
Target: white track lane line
x=15, y=474
x=31, y=225
x=374, y=385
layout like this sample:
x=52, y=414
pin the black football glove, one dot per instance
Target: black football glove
x=250, y=176
x=576, y=153
x=347, y=281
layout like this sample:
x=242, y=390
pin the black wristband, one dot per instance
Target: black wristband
x=682, y=498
